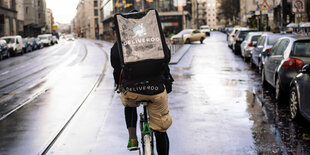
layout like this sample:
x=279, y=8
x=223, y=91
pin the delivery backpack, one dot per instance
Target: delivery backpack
x=141, y=43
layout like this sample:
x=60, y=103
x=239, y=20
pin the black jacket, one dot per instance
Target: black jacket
x=161, y=81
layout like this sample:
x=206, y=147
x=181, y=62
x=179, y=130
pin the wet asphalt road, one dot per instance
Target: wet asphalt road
x=66, y=104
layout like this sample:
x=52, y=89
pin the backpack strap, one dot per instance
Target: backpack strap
x=120, y=79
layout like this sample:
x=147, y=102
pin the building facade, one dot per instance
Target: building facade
x=247, y=10
x=87, y=19
x=49, y=21
x=201, y=16
x=20, y=16
x=35, y=17
x=272, y=15
x=8, y=17
x=174, y=15
x=212, y=14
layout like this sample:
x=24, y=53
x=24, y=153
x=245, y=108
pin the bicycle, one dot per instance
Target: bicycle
x=147, y=139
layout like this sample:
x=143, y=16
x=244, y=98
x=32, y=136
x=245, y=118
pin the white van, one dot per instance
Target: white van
x=15, y=44
x=46, y=39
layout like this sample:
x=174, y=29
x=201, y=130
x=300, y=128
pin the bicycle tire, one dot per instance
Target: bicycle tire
x=147, y=145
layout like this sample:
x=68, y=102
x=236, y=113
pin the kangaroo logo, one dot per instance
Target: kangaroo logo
x=139, y=30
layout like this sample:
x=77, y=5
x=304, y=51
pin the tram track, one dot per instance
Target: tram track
x=46, y=149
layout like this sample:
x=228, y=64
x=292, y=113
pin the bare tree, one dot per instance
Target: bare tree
x=229, y=10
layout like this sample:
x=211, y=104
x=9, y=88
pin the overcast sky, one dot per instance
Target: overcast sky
x=63, y=10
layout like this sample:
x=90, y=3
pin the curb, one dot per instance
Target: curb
x=175, y=58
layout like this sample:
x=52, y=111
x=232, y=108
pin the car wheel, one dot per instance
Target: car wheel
x=246, y=59
x=233, y=48
x=201, y=40
x=188, y=41
x=294, y=104
x=14, y=53
x=278, y=90
x=260, y=66
x=264, y=78
x=252, y=65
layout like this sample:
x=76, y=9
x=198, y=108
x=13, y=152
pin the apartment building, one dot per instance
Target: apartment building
x=20, y=16
x=174, y=15
x=49, y=21
x=87, y=19
x=202, y=13
x=8, y=17
x=34, y=17
x=247, y=10
x=212, y=14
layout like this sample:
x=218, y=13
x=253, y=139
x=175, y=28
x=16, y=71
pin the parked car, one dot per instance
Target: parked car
x=32, y=41
x=15, y=44
x=205, y=29
x=239, y=38
x=4, y=50
x=46, y=39
x=70, y=37
x=26, y=45
x=284, y=61
x=248, y=44
x=54, y=40
x=39, y=43
x=232, y=35
x=299, y=95
x=187, y=36
x=228, y=31
x=264, y=44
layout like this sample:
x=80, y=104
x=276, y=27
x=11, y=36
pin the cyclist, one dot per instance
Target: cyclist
x=155, y=91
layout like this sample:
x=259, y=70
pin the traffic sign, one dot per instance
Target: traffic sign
x=298, y=6
x=264, y=6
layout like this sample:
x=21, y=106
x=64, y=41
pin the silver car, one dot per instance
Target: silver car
x=283, y=62
x=248, y=44
x=299, y=95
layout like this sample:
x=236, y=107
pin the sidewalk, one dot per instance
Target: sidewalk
x=99, y=127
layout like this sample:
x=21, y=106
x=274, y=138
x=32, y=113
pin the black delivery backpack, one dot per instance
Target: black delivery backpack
x=141, y=43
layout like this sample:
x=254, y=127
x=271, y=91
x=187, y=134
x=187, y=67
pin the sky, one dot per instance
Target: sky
x=63, y=10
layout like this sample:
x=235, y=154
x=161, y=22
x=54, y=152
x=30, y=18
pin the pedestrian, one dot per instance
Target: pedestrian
x=153, y=87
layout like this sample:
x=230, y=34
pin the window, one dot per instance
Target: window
x=39, y=15
x=96, y=20
x=274, y=48
x=95, y=3
x=26, y=10
x=281, y=48
x=255, y=38
x=39, y=2
x=301, y=49
x=96, y=12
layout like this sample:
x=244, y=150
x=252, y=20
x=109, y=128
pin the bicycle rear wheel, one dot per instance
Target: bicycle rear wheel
x=147, y=145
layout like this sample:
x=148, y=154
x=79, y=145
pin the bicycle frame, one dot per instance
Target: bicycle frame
x=146, y=132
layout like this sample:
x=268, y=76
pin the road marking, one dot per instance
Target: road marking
x=28, y=100
x=6, y=96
